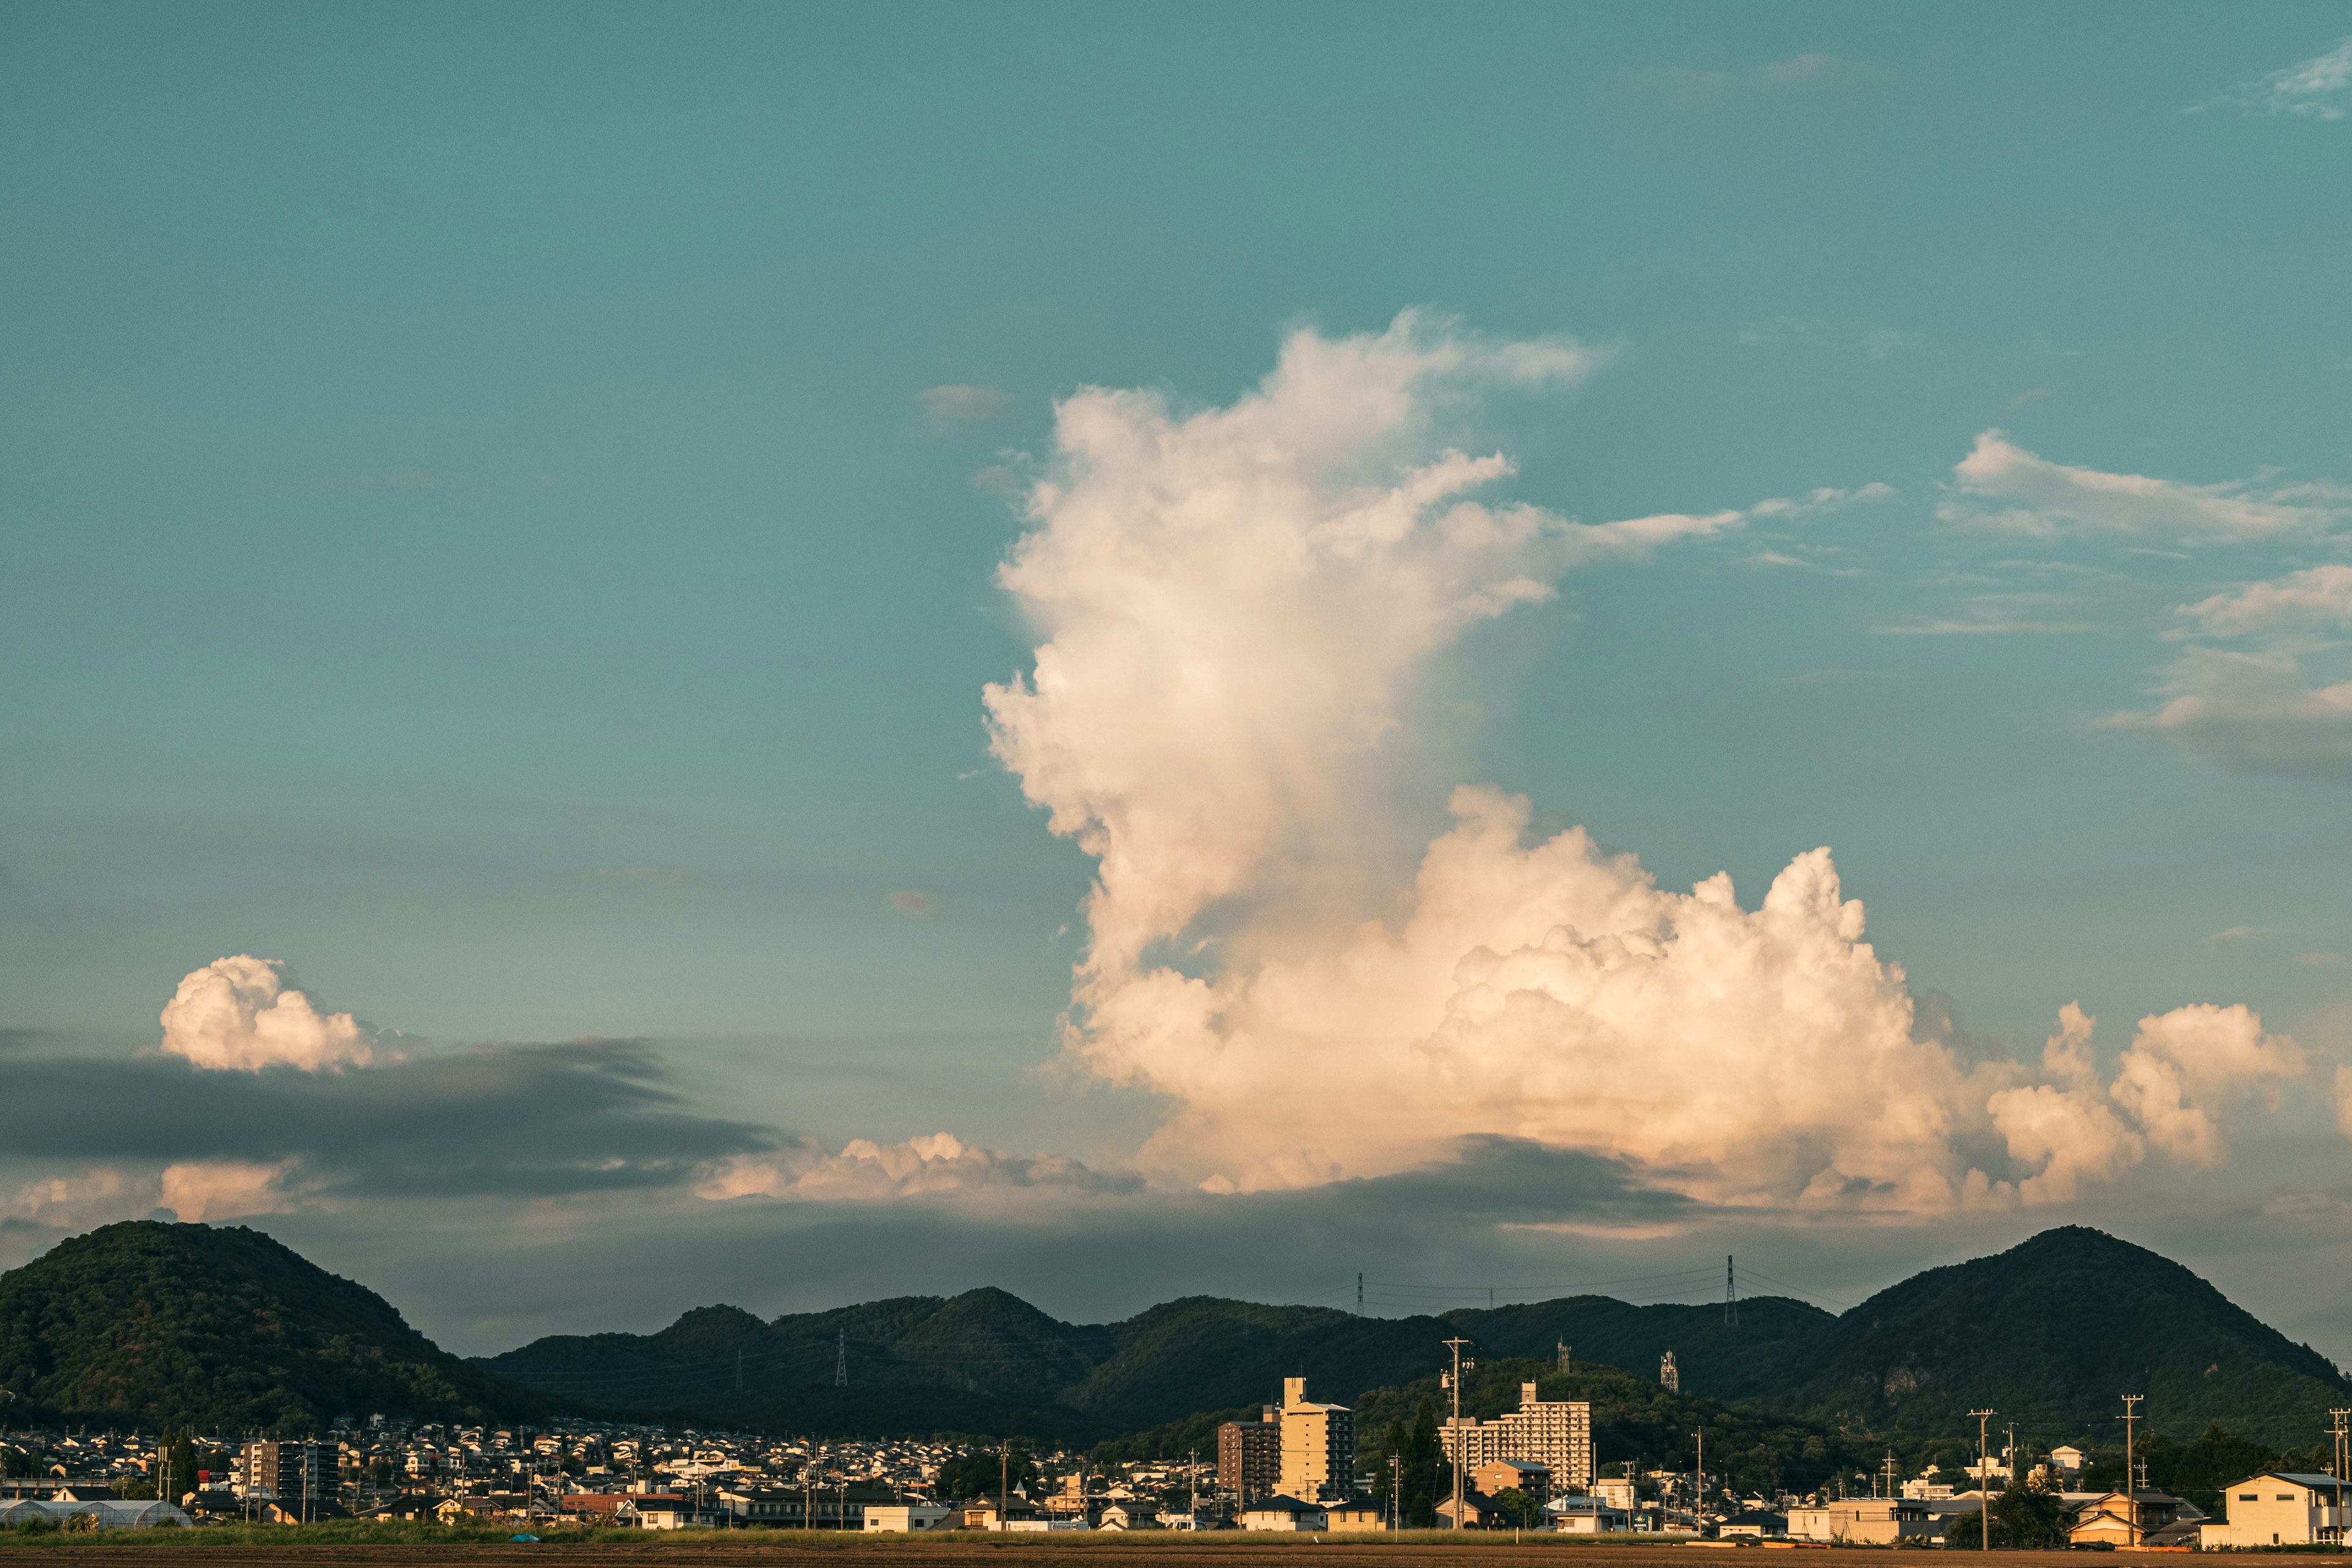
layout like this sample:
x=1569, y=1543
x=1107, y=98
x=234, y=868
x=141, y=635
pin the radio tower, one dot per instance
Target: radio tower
x=841, y=1361
x=1730, y=1293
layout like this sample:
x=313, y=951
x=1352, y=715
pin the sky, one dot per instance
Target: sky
x=786, y=653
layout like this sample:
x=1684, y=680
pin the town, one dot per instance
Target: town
x=1296, y=1467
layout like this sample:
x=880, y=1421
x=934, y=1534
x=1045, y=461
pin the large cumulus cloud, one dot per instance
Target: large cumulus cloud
x=1236, y=608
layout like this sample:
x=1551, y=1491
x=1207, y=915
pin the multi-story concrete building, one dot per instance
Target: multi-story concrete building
x=1554, y=1433
x=1249, y=1457
x=1318, y=1446
x=287, y=1472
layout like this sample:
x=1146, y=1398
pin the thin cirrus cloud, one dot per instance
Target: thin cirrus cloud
x=2001, y=485
x=2318, y=89
x=1301, y=558
x=1813, y=73
x=955, y=407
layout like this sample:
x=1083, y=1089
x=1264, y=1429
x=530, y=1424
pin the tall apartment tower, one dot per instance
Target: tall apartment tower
x=286, y=1471
x=1554, y=1433
x=1249, y=1457
x=1319, y=1446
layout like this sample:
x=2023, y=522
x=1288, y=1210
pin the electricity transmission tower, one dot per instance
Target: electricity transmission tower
x=841, y=1361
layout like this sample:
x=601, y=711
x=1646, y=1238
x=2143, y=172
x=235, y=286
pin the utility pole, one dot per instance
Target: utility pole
x=2343, y=1452
x=1698, y=1492
x=1004, y=1481
x=2009, y=1456
x=1984, y=1481
x=1454, y=1426
x=1396, y=1490
x=2131, y=1415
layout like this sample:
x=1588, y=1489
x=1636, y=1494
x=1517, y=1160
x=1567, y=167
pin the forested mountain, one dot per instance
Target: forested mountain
x=151, y=1323
x=2048, y=1333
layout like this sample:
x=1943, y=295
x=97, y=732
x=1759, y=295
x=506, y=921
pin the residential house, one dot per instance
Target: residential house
x=1864, y=1521
x=1527, y=1475
x=903, y=1518
x=2121, y=1519
x=1478, y=1511
x=1587, y=1515
x=1755, y=1524
x=1132, y=1514
x=2280, y=1507
x=1281, y=1512
x=1359, y=1514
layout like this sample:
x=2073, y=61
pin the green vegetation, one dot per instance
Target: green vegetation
x=147, y=1322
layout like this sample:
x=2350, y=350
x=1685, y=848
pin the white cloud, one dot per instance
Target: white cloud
x=864, y=1170
x=2317, y=89
x=2186, y=1064
x=206, y=1190
x=949, y=407
x=2320, y=595
x=1234, y=607
x=2004, y=486
x=911, y=902
x=247, y=1013
x=2324, y=960
x=2248, y=713
x=2241, y=933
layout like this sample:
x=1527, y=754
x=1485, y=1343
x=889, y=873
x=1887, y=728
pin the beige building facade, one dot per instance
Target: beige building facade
x=2282, y=1507
x=1318, y=1446
x=1555, y=1434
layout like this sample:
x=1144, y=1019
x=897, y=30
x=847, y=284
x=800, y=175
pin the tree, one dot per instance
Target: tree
x=2027, y=1518
x=1516, y=1503
x=979, y=1474
x=1424, y=1467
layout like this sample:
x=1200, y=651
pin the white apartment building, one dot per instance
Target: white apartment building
x=2278, y=1507
x=1555, y=1434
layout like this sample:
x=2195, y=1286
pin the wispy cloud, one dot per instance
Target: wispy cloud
x=912, y=902
x=2246, y=713
x=2001, y=485
x=1683, y=87
x=2324, y=960
x=2318, y=89
x=950, y=407
x=2322, y=595
x=2241, y=933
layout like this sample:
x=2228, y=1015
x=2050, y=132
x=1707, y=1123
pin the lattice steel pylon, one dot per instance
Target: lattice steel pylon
x=841, y=1361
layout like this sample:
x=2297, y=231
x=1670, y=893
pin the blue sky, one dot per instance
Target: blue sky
x=473, y=527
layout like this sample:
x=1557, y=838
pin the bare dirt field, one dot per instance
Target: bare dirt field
x=1225, y=1551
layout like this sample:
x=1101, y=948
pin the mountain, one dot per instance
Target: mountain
x=146, y=1322
x=2050, y=1333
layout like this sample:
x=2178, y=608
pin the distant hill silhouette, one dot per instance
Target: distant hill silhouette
x=2048, y=1333
x=145, y=1323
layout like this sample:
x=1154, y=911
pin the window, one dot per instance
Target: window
x=2250, y=1497
x=2286, y=1497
